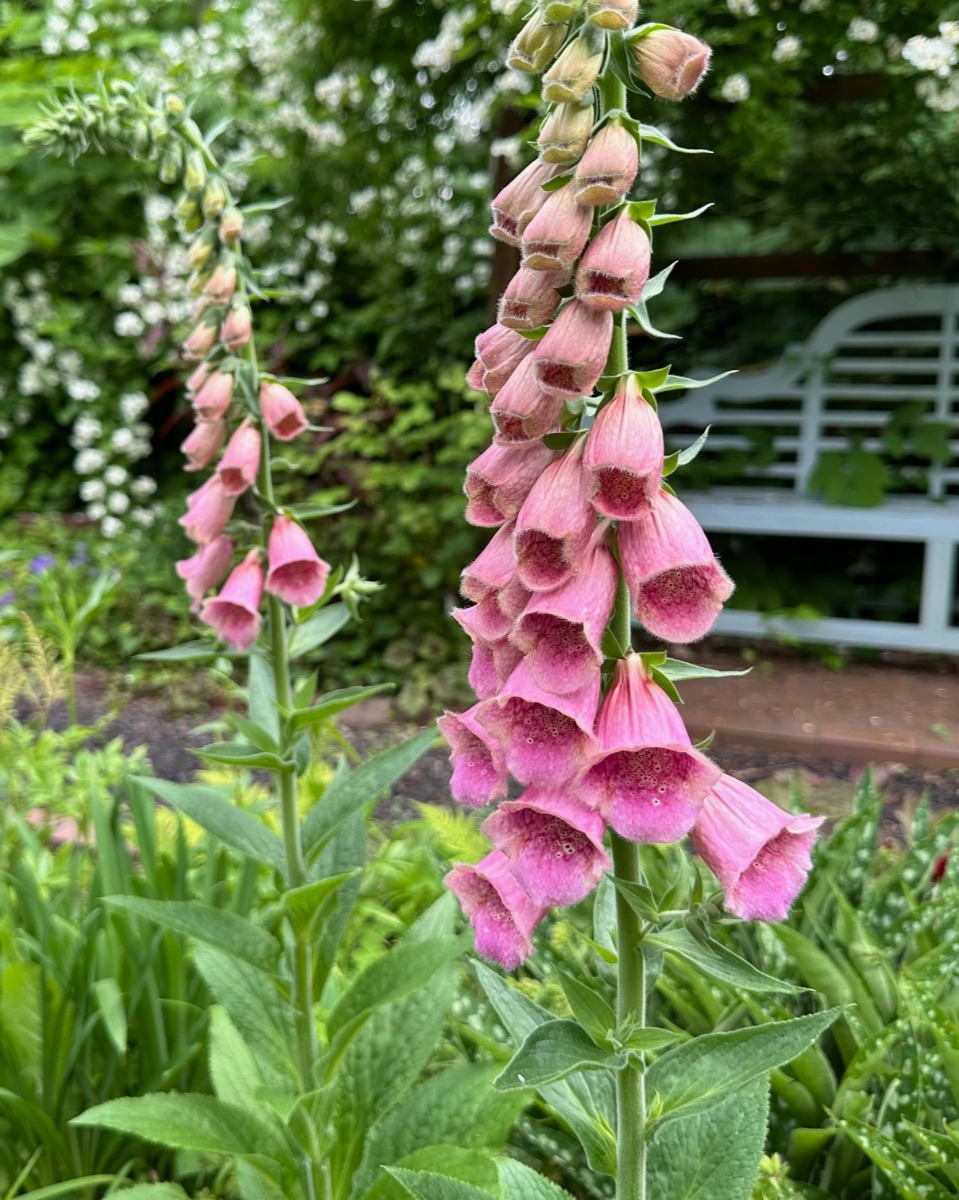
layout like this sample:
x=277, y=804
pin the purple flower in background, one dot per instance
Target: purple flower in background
x=43, y=562
x=81, y=556
x=7, y=598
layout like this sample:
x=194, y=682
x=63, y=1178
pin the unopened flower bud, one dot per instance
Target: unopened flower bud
x=201, y=249
x=606, y=171
x=175, y=106
x=187, y=212
x=555, y=237
x=516, y=205
x=670, y=63
x=615, y=267
x=221, y=285
x=237, y=327
x=565, y=133
x=612, y=14
x=201, y=341
x=575, y=71
x=214, y=197
x=231, y=226
x=536, y=44
x=171, y=164
x=194, y=175
x=561, y=10
x=214, y=396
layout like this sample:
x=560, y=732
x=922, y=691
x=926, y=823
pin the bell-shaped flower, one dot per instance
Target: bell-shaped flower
x=241, y=460
x=615, y=267
x=208, y=510
x=234, y=613
x=547, y=739
x=576, y=69
x=221, y=285
x=201, y=340
x=554, y=526
x=555, y=237
x=606, y=171
x=565, y=133
x=554, y=844
x=197, y=378
x=521, y=410
x=571, y=357
x=203, y=444
x=494, y=657
x=612, y=14
x=501, y=912
x=493, y=568
x=624, y=453
x=677, y=584
x=214, y=396
x=281, y=411
x=296, y=573
x=536, y=44
x=670, y=63
x=206, y=568
x=517, y=203
x=237, y=327
x=499, y=351
x=499, y=481
x=479, y=766
x=758, y=852
x=648, y=780
x=559, y=632
x=530, y=300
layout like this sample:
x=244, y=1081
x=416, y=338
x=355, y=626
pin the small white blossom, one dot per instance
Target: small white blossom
x=89, y=461
x=118, y=502
x=96, y=512
x=42, y=350
x=69, y=362
x=735, y=88
x=122, y=440
x=813, y=6
x=82, y=389
x=5, y=430
x=22, y=415
x=144, y=517
x=787, y=48
x=949, y=30
x=930, y=54
x=133, y=405
x=92, y=489
x=742, y=8
x=30, y=379
x=129, y=295
x=86, y=430
x=143, y=486
x=114, y=475
x=128, y=324
x=111, y=526
x=861, y=29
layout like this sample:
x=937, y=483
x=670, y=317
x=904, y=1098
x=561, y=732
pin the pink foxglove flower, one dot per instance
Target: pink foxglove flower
x=560, y=631
x=612, y=14
x=575, y=71
x=615, y=267
x=521, y=410
x=234, y=613
x=479, y=767
x=201, y=340
x=221, y=285
x=677, y=583
x=491, y=664
x=206, y=568
x=241, y=460
x=530, y=299
x=624, y=454
x=516, y=205
x=282, y=412
x=208, y=510
x=555, y=237
x=555, y=524
x=759, y=853
x=500, y=910
x=213, y=398
x=484, y=621
x=553, y=843
x=197, y=378
x=493, y=568
x=606, y=171
x=203, y=444
x=565, y=133
x=237, y=327
x=648, y=780
x=535, y=46
x=499, y=351
x=571, y=357
x=547, y=739
x=499, y=481
x=670, y=63
x=296, y=573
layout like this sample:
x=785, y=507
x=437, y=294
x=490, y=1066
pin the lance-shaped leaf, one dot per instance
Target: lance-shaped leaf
x=911, y=1181
x=317, y=629
x=670, y=218
x=679, y=458
x=715, y=960
x=332, y=703
x=678, y=670
x=551, y=1052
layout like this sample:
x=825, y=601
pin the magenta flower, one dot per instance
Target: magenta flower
x=479, y=767
x=203, y=443
x=214, y=395
x=296, y=575
x=615, y=267
x=677, y=583
x=554, y=844
x=516, y=205
x=759, y=853
x=547, y=739
x=647, y=780
x=282, y=412
x=493, y=568
x=606, y=171
x=494, y=657
x=624, y=455
x=499, y=481
x=501, y=912
x=206, y=568
x=571, y=357
x=234, y=613
x=555, y=237
x=555, y=524
x=241, y=460
x=208, y=510
x=522, y=411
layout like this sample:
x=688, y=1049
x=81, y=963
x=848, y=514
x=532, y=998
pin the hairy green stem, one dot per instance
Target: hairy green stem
x=630, y=1013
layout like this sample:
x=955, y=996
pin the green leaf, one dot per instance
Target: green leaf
x=148, y=1191
x=243, y=754
x=110, y=1003
x=226, y=930
x=186, y=1121
x=594, y=1013
x=233, y=1068
x=549, y=1053
x=651, y=134
x=256, y=734
x=262, y=692
x=857, y=478
x=518, y=1180
x=678, y=670
x=332, y=703
x=310, y=512
x=667, y=685
x=350, y=790
x=653, y=380
x=426, y=1185
x=195, y=651
x=681, y=383
x=911, y=1181
x=706, y=1069
x=468, y=1166
x=679, y=458
x=307, y=906
x=670, y=218
x=211, y=810
x=317, y=629
x=718, y=962
x=560, y=441
x=712, y=1155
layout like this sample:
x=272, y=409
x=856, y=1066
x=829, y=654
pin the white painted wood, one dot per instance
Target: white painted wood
x=810, y=404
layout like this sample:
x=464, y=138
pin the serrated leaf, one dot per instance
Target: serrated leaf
x=715, y=960
x=426, y=1185
x=317, y=629
x=593, y=1011
x=518, y=1180
x=551, y=1052
x=469, y=1166
x=332, y=703
x=234, y=1071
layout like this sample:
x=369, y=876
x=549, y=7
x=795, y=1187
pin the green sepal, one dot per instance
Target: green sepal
x=558, y=181
x=666, y=684
x=677, y=670
x=609, y=645
x=309, y=512
x=679, y=458
x=642, y=211
x=653, y=380
x=681, y=383
x=549, y=1053
x=671, y=218
x=651, y=134
x=561, y=441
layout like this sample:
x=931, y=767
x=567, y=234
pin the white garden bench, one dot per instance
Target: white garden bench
x=871, y=355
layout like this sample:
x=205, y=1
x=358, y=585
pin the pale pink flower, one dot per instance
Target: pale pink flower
x=501, y=912
x=499, y=481
x=571, y=357
x=203, y=443
x=670, y=63
x=237, y=327
x=555, y=524
x=624, y=454
x=521, y=410
x=575, y=71
x=612, y=14
x=677, y=583
x=759, y=853
x=484, y=621
x=234, y=613
x=547, y=739
x=648, y=780
x=555, y=237
x=208, y=510
x=479, y=767
x=206, y=568
x=531, y=298
x=559, y=632
x=214, y=396
x=553, y=843
x=197, y=378
x=615, y=267
x=282, y=412
x=493, y=568
x=241, y=460
x=201, y=340
x=565, y=133
x=606, y=171
x=296, y=573
x=499, y=351
x=221, y=285
x=516, y=205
